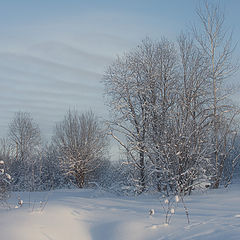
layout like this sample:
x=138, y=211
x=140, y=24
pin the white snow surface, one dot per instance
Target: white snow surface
x=97, y=215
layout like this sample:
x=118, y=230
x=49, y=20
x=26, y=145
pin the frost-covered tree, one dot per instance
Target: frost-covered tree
x=160, y=105
x=52, y=175
x=25, y=142
x=5, y=181
x=24, y=135
x=140, y=89
x=81, y=144
x=192, y=117
x=215, y=42
x=170, y=111
x=178, y=146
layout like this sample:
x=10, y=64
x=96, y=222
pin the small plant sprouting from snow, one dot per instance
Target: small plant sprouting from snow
x=151, y=212
x=20, y=202
x=170, y=204
x=34, y=206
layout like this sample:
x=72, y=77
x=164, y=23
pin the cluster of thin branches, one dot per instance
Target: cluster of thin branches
x=170, y=111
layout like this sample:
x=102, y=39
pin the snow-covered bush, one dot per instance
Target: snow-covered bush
x=5, y=180
x=52, y=176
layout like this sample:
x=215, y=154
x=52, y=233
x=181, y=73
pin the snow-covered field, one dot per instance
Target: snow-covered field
x=92, y=214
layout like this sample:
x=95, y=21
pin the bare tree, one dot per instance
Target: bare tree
x=216, y=44
x=192, y=119
x=180, y=151
x=81, y=143
x=24, y=135
x=140, y=91
x=170, y=111
x=25, y=141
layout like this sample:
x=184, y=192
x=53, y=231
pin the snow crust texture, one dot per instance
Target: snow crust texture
x=95, y=215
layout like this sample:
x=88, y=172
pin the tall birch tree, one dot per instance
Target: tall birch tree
x=216, y=44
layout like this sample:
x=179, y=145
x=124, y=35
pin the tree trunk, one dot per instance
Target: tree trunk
x=142, y=172
x=80, y=179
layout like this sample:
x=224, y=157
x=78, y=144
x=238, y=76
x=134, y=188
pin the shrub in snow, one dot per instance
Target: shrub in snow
x=81, y=145
x=170, y=204
x=5, y=179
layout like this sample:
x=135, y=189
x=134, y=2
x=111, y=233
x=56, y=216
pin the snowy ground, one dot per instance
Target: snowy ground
x=91, y=214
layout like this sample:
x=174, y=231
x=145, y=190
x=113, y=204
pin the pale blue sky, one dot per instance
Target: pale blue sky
x=53, y=53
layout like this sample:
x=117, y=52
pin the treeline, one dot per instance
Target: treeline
x=171, y=113
x=75, y=155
